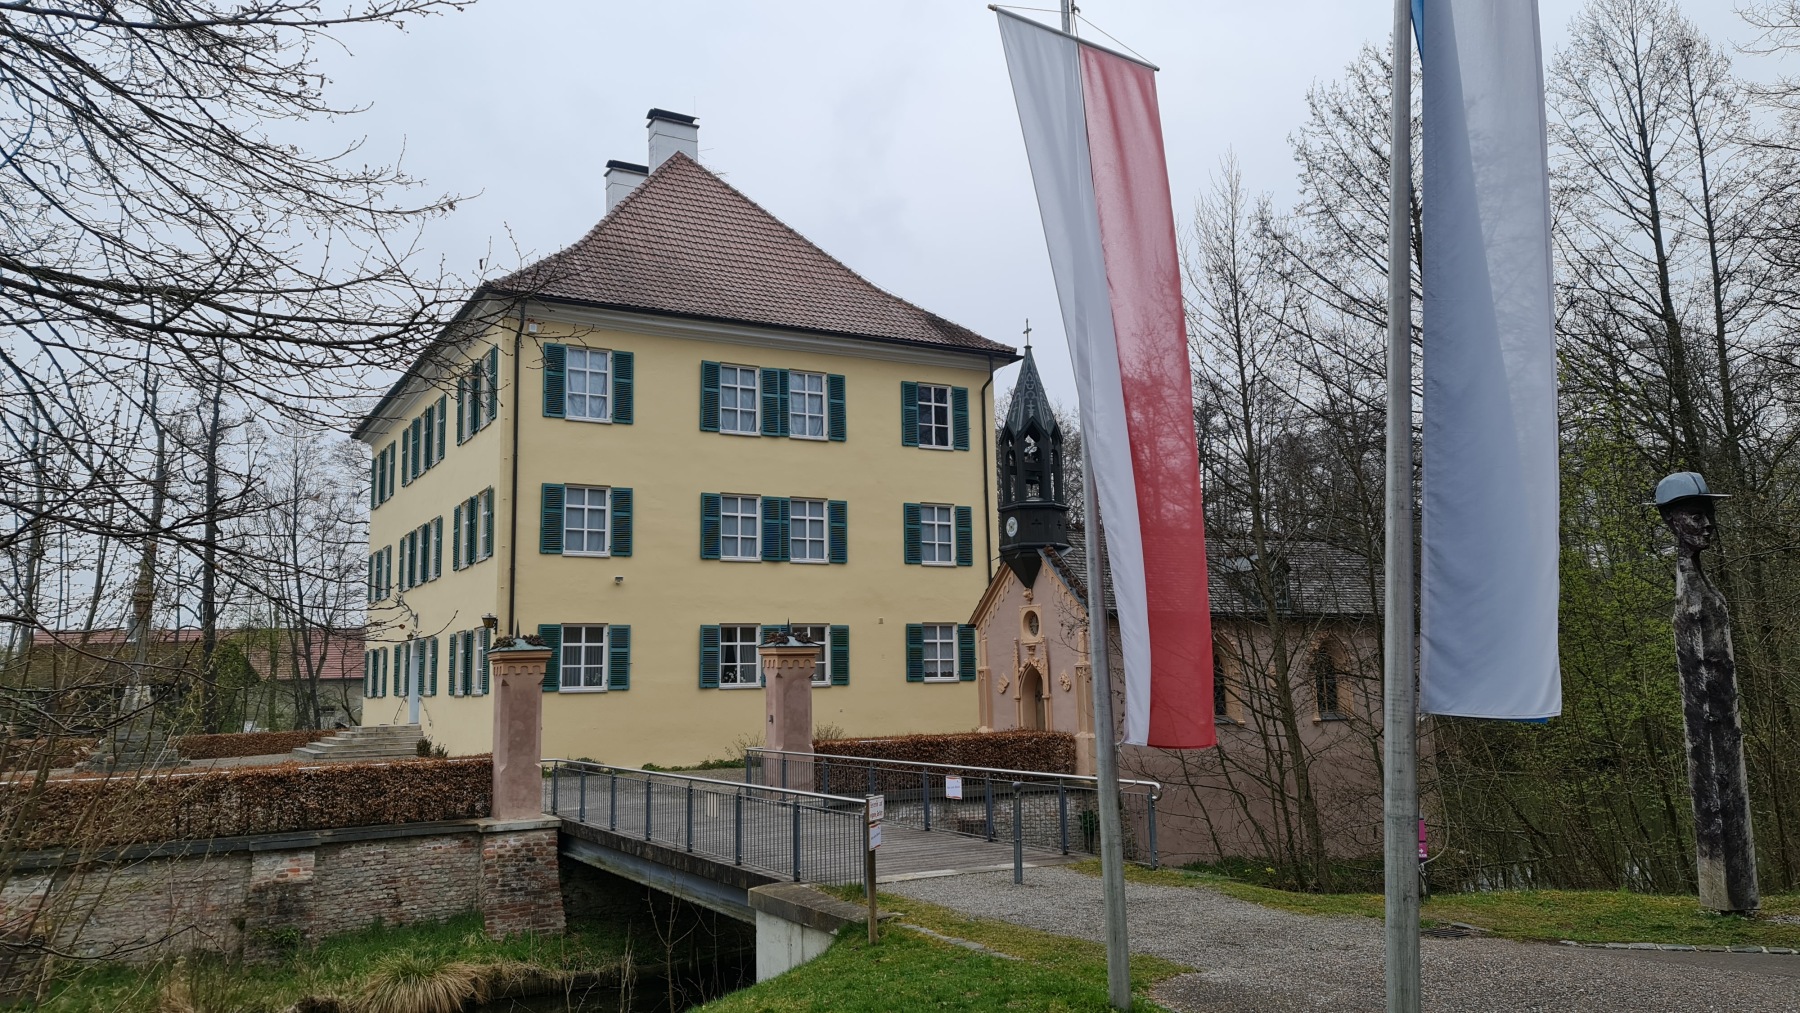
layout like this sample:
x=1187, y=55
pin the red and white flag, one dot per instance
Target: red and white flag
x=1094, y=139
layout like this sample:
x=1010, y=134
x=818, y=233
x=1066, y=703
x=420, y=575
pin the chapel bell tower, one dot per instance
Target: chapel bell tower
x=1034, y=510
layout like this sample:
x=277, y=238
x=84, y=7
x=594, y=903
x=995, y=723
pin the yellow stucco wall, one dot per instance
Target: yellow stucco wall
x=668, y=591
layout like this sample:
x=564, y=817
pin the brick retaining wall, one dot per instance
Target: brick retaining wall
x=264, y=895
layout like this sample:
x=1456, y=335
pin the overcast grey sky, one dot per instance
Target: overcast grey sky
x=885, y=133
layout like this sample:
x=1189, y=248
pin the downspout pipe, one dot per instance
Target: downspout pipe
x=987, y=474
x=512, y=537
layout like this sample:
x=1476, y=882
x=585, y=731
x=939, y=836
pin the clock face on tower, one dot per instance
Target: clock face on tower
x=1012, y=527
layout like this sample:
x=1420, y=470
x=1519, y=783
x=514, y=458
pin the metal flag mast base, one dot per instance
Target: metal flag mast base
x=1106, y=761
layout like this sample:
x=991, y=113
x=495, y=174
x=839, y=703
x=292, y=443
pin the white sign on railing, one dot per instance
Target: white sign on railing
x=952, y=787
x=877, y=810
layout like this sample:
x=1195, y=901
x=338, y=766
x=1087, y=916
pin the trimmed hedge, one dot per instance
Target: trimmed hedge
x=1050, y=752
x=31, y=754
x=96, y=812
x=212, y=747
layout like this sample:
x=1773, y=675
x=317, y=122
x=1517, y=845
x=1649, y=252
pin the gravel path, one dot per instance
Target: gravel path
x=1252, y=958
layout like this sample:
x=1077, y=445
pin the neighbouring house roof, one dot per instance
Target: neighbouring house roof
x=339, y=653
x=1322, y=579
x=685, y=243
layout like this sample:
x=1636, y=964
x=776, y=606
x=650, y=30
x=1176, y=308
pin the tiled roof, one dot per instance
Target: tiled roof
x=687, y=243
x=338, y=654
x=1322, y=579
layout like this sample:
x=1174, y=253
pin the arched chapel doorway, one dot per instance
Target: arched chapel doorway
x=1031, y=700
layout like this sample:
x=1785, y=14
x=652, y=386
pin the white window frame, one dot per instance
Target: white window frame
x=934, y=398
x=755, y=536
x=929, y=524
x=800, y=530
x=589, y=510
x=734, y=412
x=940, y=649
x=821, y=635
x=731, y=640
x=562, y=657
x=801, y=400
x=484, y=534
x=475, y=394
x=588, y=372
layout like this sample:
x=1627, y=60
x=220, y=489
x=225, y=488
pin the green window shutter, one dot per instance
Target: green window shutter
x=915, y=652
x=709, y=657
x=384, y=654
x=775, y=529
x=443, y=405
x=550, y=525
x=552, y=637
x=709, y=397
x=487, y=640
x=374, y=481
x=555, y=380
x=840, y=656
x=456, y=542
x=773, y=418
x=618, y=528
x=366, y=674
x=709, y=525
x=618, y=657
x=431, y=686
x=453, y=667
x=965, y=653
x=910, y=551
x=909, y=413
x=406, y=456
x=417, y=431
x=836, y=422
x=493, y=384
x=959, y=417
x=487, y=522
x=783, y=390
x=462, y=411
x=837, y=514
x=965, y=536
x=624, y=370
x=471, y=530
x=468, y=661
x=437, y=547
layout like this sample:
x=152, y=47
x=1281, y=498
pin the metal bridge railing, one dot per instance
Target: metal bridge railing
x=805, y=836
x=1048, y=811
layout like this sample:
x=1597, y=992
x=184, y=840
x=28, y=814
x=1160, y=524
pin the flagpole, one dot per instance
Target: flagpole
x=1400, y=729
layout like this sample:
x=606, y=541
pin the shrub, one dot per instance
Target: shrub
x=212, y=747
x=1050, y=752
x=50, y=751
x=95, y=812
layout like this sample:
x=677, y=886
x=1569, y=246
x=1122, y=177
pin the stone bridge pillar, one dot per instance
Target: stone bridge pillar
x=787, y=665
x=518, y=693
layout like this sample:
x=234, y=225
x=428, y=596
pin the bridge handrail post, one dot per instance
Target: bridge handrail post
x=1155, y=863
x=555, y=768
x=612, y=805
x=581, y=807
x=690, y=817
x=795, y=807
x=649, y=783
x=988, y=791
x=737, y=832
x=871, y=778
x=1018, y=835
x=869, y=868
x=1062, y=814
x=925, y=795
x=784, y=770
x=825, y=767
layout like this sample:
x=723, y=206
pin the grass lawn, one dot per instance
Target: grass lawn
x=336, y=967
x=1588, y=916
x=909, y=971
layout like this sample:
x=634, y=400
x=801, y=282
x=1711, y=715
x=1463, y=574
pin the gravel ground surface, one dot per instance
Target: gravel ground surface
x=1252, y=958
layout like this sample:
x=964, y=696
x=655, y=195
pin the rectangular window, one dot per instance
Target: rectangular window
x=588, y=375
x=737, y=399
x=940, y=652
x=806, y=405
x=819, y=634
x=934, y=416
x=487, y=523
x=584, y=521
x=739, y=528
x=737, y=656
x=806, y=531
x=471, y=530
x=584, y=658
x=937, y=545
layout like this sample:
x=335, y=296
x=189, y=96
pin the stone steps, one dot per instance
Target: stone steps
x=372, y=742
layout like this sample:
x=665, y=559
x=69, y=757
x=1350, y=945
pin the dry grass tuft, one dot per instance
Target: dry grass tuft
x=404, y=983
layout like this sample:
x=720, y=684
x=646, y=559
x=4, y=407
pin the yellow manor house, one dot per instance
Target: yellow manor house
x=691, y=426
